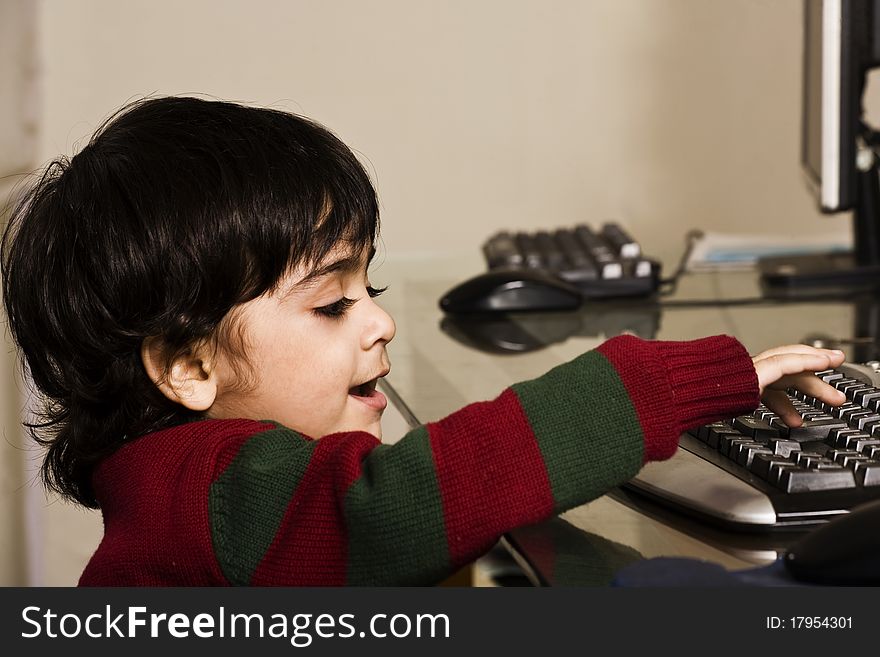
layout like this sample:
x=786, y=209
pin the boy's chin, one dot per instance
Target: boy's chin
x=375, y=430
x=372, y=428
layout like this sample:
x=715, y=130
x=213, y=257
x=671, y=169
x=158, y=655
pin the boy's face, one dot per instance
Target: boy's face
x=315, y=348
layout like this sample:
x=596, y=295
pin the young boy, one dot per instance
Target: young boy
x=190, y=296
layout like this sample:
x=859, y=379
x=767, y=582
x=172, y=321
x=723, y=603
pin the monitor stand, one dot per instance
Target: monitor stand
x=834, y=272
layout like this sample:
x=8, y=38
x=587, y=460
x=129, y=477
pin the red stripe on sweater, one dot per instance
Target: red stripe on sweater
x=485, y=478
x=310, y=548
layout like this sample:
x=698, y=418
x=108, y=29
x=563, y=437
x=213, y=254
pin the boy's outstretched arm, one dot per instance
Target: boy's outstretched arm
x=348, y=510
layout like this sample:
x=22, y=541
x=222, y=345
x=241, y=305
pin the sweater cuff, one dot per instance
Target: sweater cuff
x=705, y=380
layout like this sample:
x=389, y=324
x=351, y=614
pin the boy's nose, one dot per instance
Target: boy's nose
x=381, y=326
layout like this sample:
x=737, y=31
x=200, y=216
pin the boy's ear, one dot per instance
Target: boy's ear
x=189, y=379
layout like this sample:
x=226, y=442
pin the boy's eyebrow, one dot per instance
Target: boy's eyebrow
x=347, y=265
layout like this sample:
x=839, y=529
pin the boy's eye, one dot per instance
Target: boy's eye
x=339, y=308
x=335, y=309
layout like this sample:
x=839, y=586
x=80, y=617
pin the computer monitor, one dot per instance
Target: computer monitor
x=838, y=149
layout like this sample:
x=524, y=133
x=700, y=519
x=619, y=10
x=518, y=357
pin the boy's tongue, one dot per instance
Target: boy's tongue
x=367, y=394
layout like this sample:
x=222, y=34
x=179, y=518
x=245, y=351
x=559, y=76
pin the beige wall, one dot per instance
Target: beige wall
x=17, y=145
x=473, y=115
x=481, y=114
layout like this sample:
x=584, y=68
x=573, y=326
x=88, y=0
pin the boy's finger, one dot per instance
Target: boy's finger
x=812, y=386
x=797, y=349
x=774, y=367
x=778, y=402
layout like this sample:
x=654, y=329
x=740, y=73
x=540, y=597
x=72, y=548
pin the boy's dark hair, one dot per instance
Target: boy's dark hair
x=177, y=210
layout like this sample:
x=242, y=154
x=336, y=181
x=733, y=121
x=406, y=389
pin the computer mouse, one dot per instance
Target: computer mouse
x=844, y=552
x=511, y=290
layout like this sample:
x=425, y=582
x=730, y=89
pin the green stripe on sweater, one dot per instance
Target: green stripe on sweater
x=596, y=442
x=394, y=515
x=248, y=501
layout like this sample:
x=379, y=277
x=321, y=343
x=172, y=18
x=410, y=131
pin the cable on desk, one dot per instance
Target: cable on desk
x=668, y=285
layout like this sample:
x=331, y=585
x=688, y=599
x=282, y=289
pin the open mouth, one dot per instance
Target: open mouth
x=365, y=389
x=366, y=393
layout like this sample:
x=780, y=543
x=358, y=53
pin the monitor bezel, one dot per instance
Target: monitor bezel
x=834, y=185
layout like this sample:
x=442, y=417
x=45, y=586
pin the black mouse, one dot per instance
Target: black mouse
x=844, y=552
x=511, y=290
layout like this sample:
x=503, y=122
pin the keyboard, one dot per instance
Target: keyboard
x=601, y=263
x=755, y=473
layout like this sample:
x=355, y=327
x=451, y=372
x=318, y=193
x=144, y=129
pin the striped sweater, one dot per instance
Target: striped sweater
x=219, y=502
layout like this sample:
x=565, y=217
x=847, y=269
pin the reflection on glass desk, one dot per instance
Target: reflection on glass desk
x=442, y=363
x=532, y=331
x=588, y=545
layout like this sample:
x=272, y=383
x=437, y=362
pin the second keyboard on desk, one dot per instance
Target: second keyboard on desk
x=754, y=472
x=601, y=263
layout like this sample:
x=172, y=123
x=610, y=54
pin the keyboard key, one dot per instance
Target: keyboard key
x=764, y=414
x=776, y=470
x=609, y=266
x=501, y=251
x=867, y=422
x=861, y=388
x=864, y=396
x=845, y=457
x=777, y=423
x=807, y=459
x=726, y=443
x=859, y=442
x=867, y=473
x=829, y=375
x=802, y=480
x=624, y=245
x=838, y=437
x=580, y=266
x=641, y=269
x=715, y=434
x=529, y=248
x=703, y=431
x=872, y=428
x=783, y=446
x=552, y=255
x=762, y=463
x=847, y=406
x=759, y=430
x=747, y=453
x=601, y=250
x=852, y=415
x=811, y=430
x=848, y=382
x=851, y=389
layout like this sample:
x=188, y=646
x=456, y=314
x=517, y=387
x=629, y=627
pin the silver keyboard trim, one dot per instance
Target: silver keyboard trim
x=694, y=483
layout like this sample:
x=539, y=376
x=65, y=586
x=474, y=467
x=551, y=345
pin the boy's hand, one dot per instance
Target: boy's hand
x=792, y=366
